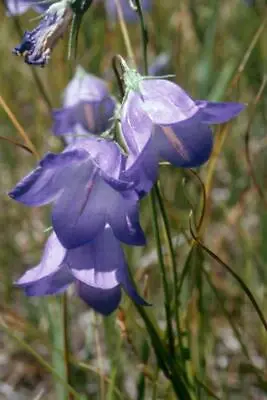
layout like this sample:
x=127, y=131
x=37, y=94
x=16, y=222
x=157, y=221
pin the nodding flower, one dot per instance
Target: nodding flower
x=36, y=45
x=98, y=269
x=88, y=107
x=84, y=185
x=160, y=121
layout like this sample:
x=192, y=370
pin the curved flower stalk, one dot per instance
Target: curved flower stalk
x=159, y=121
x=97, y=268
x=85, y=186
x=87, y=108
x=18, y=7
x=36, y=45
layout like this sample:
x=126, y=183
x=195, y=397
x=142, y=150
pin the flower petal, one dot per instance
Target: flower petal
x=94, y=117
x=79, y=212
x=105, y=113
x=84, y=87
x=44, y=184
x=105, y=154
x=165, y=102
x=102, y=301
x=127, y=284
x=123, y=218
x=96, y=262
x=63, y=121
x=36, y=45
x=218, y=113
x=52, y=284
x=142, y=169
x=184, y=144
x=51, y=261
x=137, y=127
x=18, y=7
x=49, y=277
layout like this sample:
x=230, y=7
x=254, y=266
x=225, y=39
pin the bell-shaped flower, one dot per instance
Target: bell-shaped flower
x=36, y=45
x=18, y=7
x=98, y=269
x=87, y=107
x=159, y=121
x=85, y=186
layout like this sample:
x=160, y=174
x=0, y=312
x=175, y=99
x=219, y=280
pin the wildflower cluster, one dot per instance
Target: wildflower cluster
x=95, y=187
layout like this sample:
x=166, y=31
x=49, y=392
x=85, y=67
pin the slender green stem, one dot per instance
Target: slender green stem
x=207, y=389
x=162, y=271
x=234, y=275
x=249, y=160
x=155, y=194
x=227, y=314
x=99, y=359
x=170, y=368
x=167, y=229
x=154, y=395
x=144, y=34
x=66, y=346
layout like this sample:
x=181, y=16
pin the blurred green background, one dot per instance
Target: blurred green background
x=217, y=51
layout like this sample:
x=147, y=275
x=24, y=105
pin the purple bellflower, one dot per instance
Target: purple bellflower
x=129, y=14
x=159, y=121
x=83, y=182
x=87, y=107
x=18, y=7
x=98, y=269
x=36, y=45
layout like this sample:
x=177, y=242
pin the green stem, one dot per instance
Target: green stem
x=65, y=334
x=176, y=377
x=170, y=368
x=144, y=34
x=234, y=275
x=167, y=302
x=167, y=230
x=227, y=315
x=155, y=194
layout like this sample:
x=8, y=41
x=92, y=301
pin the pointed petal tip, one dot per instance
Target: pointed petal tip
x=219, y=112
x=143, y=302
x=138, y=239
